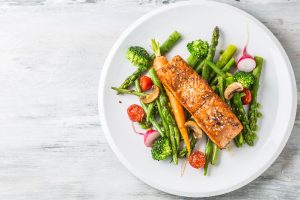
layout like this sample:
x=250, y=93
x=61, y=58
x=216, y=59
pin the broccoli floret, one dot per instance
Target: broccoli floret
x=138, y=56
x=198, y=49
x=161, y=149
x=245, y=78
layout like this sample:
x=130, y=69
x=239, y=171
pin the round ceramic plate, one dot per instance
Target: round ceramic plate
x=236, y=167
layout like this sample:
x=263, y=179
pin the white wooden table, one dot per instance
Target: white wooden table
x=51, y=142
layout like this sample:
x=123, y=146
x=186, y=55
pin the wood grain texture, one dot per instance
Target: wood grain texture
x=51, y=142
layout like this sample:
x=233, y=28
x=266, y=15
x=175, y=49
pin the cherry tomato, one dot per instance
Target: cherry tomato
x=145, y=83
x=247, y=98
x=197, y=159
x=136, y=113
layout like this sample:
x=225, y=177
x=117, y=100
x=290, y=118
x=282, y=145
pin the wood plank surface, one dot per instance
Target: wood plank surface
x=51, y=141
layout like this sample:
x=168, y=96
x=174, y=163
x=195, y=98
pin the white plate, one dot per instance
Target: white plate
x=236, y=167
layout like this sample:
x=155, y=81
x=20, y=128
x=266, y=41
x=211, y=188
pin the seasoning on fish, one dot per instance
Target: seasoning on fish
x=210, y=112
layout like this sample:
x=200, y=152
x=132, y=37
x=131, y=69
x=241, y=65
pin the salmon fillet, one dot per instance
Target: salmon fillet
x=210, y=112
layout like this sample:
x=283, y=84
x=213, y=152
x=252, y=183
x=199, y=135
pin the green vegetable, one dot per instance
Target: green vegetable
x=184, y=151
x=229, y=80
x=238, y=109
x=161, y=149
x=226, y=55
x=163, y=118
x=177, y=137
x=221, y=87
x=125, y=91
x=173, y=144
x=138, y=56
x=199, y=67
x=135, y=75
x=145, y=125
x=239, y=140
x=208, y=151
x=211, y=53
x=214, y=156
x=224, y=59
x=149, y=111
x=170, y=42
x=152, y=119
x=198, y=49
x=225, y=69
x=254, y=113
x=215, y=68
x=245, y=78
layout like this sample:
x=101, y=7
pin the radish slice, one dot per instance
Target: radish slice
x=246, y=63
x=150, y=136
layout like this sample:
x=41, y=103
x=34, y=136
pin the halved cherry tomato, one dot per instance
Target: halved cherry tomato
x=247, y=98
x=136, y=113
x=197, y=159
x=145, y=83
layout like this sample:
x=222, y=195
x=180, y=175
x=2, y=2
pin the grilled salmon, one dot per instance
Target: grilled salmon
x=210, y=112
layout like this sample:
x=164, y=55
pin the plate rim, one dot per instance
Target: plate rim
x=123, y=159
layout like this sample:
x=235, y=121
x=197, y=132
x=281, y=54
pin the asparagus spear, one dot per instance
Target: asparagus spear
x=169, y=43
x=184, y=152
x=208, y=151
x=199, y=67
x=215, y=152
x=254, y=113
x=149, y=111
x=248, y=136
x=125, y=91
x=211, y=53
x=152, y=119
x=215, y=68
x=221, y=87
x=163, y=118
x=173, y=144
x=225, y=69
x=224, y=58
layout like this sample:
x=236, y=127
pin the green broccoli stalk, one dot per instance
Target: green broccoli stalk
x=245, y=78
x=138, y=56
x=198, y=49
x=161, y=149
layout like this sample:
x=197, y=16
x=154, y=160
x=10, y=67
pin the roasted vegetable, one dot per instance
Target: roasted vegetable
x=161, y=149
x=138, y=56
x=211, y=53
x=245, y=78
x=198, y=49
x=254, y=113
